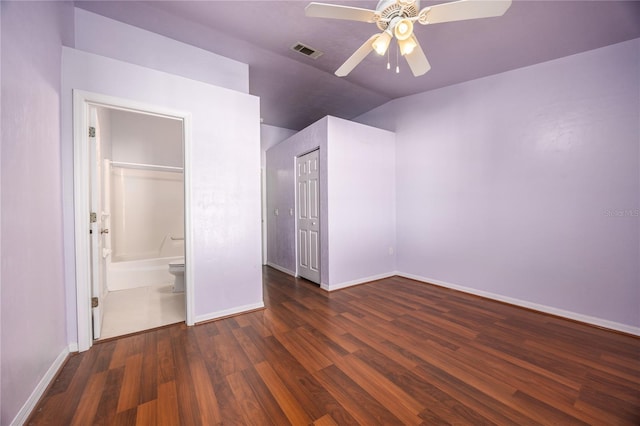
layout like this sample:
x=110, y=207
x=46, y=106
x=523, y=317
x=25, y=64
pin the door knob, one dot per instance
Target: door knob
x=104, y=231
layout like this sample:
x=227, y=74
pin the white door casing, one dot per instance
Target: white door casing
x=82, y=101
x=308, y=216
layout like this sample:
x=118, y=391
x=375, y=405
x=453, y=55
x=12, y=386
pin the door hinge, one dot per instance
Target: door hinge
x=93, y=217
x=92, y=132
x=94, y=302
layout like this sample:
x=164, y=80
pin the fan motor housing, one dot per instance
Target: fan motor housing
x=390, y=9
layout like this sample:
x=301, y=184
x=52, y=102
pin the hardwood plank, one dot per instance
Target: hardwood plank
x=592, y=362
x=307, y=316
x=262, y=326
x=287, y=401
x=398, y=402
x=625, y=409
x=149, y=373
x=456, y=395
x=130, y=390
x=205, y=396
x=325, y=420
x=544, y=413
x=303, y=351
x=184, y=345
x=248, y=345
x=88, y=404
x=167, y=405
x=147, y=413
x=364, y=409
x=614, y=386
x=223, y=352
x=247, y=400
x=296, y=377
x=164, y=357
x=322, y=343
x=120, y=352
x=265, y=397
x=126, y=418
x=110, y=395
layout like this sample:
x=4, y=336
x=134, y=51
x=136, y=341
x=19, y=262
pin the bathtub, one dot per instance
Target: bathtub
x=139, y=273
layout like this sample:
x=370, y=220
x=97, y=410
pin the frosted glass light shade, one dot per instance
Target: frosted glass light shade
x=407, y=46
x=403, y=29
x=381, y=43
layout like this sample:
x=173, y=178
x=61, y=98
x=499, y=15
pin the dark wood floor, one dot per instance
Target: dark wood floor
x=390, y=352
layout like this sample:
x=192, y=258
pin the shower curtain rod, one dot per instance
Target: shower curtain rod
x=146, y=166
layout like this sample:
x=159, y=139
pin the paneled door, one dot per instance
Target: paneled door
x=308, y=216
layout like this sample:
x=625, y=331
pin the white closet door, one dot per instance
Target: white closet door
x=308, y=216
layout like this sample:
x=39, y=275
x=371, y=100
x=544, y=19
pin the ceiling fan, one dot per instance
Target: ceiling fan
x=396, y=18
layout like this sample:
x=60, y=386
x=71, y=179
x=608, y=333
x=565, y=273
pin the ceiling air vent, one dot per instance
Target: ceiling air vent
x=306, y=50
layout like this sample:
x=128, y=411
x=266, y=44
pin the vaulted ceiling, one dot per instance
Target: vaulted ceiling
x=296, y=90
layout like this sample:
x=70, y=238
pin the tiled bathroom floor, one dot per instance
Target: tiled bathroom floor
x=137, y=309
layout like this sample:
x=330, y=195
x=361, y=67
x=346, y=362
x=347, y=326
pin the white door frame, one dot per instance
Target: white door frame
x=81, y=102
x=296, y=213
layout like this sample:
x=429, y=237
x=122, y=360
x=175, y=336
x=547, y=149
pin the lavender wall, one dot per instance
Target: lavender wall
x=272, y=135
x=361, y=203
x=281, y=248
x=269, y=136
x=107, y=37
x=33, y=303
x=357, y=192
x=225, y=170
x=525, y=185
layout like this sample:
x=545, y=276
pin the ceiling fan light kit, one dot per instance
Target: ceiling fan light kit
x=396, y=18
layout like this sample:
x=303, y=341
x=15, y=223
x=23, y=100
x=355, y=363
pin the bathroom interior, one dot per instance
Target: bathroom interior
x=140, y=181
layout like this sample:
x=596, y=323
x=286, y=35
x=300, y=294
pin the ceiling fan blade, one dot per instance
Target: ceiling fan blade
x=357, y=57
x=417, y=60
x=462, y=10
x=334, y=11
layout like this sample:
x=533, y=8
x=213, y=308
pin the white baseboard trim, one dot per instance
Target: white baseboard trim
x=37, y=393
x=73, y=347
x=228, y=312
x=281, y=269
x=332, y=287
x=612, y=325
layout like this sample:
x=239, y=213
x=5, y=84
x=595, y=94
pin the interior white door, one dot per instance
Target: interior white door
x=308, y=215
x=105, y=188
x=96, y=223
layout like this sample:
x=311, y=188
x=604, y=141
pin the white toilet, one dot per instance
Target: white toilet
x=176, y=268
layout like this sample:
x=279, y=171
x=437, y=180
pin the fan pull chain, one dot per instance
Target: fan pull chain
x=388, y=62
x=397, y=63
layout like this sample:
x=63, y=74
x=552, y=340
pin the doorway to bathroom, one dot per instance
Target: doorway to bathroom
x=139, y=197
x=134, y=162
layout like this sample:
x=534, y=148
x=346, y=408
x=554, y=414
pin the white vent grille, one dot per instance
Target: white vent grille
x=306, y=50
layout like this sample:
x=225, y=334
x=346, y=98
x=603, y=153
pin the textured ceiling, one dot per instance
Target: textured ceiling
x=296, y=90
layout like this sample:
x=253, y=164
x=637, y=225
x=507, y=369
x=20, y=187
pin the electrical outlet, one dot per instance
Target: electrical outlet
x=290, y=212
x=390, y=250
x=276, y=212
